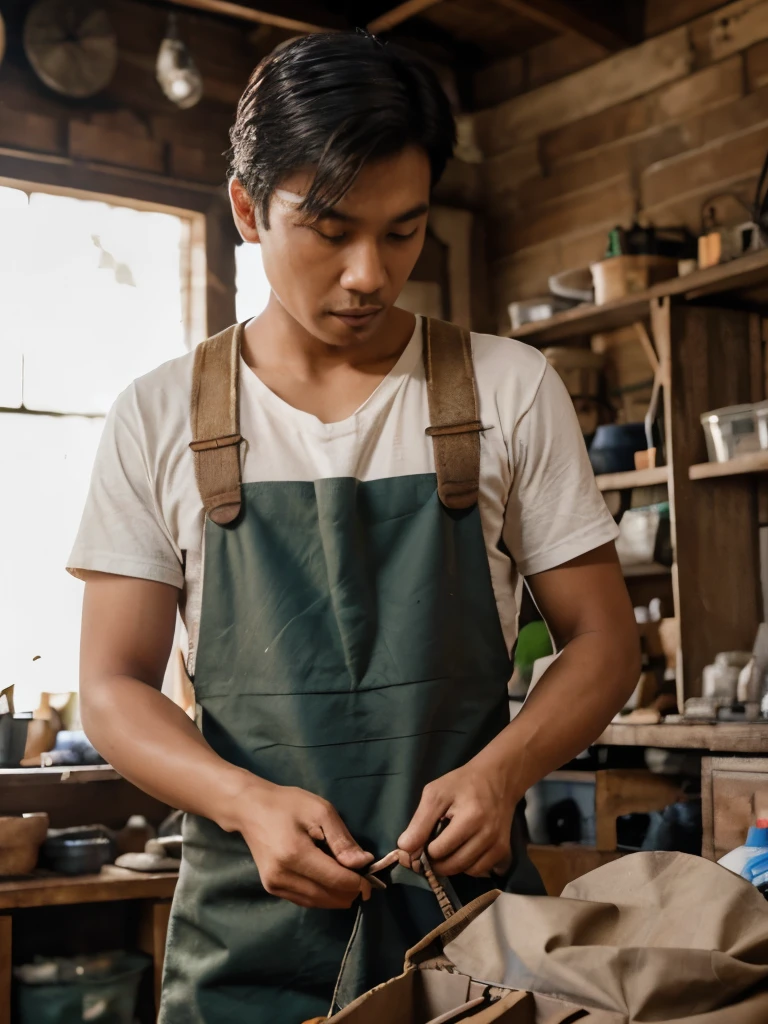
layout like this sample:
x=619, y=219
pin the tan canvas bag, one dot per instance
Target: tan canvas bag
x=652, y=937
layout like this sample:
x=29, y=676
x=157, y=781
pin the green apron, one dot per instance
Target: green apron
x=349, y=645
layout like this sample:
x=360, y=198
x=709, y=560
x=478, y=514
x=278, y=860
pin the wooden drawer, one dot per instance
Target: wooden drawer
x=734, y=792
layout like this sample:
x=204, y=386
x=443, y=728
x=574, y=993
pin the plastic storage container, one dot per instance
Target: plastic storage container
x=614, y=446
x=644, y=536
x=106, y=999
x=736, y=430
x=751, y=860
x=531, y=311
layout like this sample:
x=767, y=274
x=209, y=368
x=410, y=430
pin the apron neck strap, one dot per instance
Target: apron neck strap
x=454, y=424
x=216, y=426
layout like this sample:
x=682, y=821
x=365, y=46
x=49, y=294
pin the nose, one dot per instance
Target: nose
x=364, y=270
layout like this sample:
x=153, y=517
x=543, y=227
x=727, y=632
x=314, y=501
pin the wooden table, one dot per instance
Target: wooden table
x=155, y=892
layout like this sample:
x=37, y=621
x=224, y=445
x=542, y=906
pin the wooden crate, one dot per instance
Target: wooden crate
x=734, y=793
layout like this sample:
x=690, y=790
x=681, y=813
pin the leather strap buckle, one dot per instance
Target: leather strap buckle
x=215, y=442
x=450, y=429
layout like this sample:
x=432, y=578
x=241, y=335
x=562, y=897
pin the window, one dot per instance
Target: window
x=251, y=284
x=92, y=295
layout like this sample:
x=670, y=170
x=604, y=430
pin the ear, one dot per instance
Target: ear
x=243, y=212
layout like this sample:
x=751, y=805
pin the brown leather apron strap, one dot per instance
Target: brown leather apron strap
x=454, y=424
x=216, y=425
x=455, y=427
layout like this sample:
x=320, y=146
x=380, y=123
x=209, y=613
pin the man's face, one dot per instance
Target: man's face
x=337, y=276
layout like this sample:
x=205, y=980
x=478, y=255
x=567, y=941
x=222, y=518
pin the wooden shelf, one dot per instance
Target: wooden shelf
x=585, y=319
x=651, y=569
x=633, y=478
x=47, y=891
x=736, y=276
x=754, y=462
x=75, y=774
x=725, y=737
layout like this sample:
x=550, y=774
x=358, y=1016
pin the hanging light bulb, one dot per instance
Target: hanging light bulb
x=176, y=70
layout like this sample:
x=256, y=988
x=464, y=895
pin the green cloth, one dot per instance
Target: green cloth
x=534, y=642
x=349, y=645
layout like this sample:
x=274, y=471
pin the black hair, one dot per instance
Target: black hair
x=334, y=102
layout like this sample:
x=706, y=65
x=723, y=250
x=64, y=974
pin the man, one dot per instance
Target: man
x=349, y=631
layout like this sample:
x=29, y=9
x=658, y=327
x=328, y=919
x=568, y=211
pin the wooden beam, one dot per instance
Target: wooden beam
x=399, y=14
x=561, y=17
x=293, y=17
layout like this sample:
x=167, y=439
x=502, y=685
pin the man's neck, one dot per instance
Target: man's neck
x=275, y=340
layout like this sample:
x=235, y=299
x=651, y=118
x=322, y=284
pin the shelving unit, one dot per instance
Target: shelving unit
x=707, y=331
x=69, y=776
x=738, y=276
x=755, y=462
x=724, y=737
x=151, y=892
x=634, y=478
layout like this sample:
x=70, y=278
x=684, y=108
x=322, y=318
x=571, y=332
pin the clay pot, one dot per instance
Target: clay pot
x=20, y=841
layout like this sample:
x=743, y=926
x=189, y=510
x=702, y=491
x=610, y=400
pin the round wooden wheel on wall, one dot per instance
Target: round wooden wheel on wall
x=72, y=46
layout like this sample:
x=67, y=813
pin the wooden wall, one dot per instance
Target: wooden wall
x=131, y=124
x=652, y=132
x=130, y=141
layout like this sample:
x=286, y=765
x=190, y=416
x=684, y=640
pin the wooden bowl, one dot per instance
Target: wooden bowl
x=20, y=841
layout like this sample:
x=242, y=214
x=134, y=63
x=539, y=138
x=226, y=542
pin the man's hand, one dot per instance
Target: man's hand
x=282, y=827
x=587, y=608
x=480, y=804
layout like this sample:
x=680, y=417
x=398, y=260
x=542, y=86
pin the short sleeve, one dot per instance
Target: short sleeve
x=555, y=511
x=122, y=530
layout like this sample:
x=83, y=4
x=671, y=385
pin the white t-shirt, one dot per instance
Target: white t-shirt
x=539, y=503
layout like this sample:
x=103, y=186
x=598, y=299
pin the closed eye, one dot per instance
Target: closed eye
x=397, y=237
x=333, y=239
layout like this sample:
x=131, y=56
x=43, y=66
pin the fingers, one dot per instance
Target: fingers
x=327, y=872
x=299, y=864
x=434, y=804
x=306, y=893
x=342, y=845
x=315, y=880
x=477, y=858
x=462, y=828
x=460, y=858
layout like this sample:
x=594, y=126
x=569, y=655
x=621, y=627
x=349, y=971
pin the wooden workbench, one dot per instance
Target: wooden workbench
x=154, y=891
x=724, y=738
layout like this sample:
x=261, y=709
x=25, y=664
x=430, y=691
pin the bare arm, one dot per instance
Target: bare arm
x=127, y=634
x=587, y=608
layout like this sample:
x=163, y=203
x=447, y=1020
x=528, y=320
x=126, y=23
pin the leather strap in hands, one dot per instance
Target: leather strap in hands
x=455, y=427
x=216, y=426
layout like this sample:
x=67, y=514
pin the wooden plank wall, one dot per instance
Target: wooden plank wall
x=652, y=132
x=131, y=124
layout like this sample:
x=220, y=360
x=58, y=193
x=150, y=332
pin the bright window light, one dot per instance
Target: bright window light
x=91, y=297
x=251, y=282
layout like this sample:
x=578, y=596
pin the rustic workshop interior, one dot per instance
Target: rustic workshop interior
x=607, y=204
